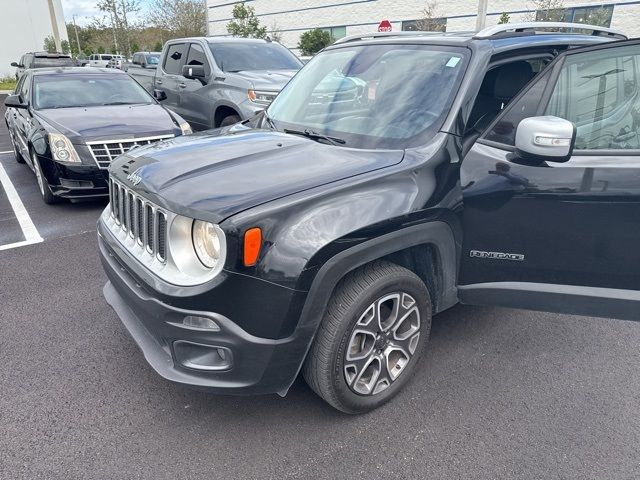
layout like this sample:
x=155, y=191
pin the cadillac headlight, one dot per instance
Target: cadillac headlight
x=206, y=243
x=62, y=150
x=186, y=128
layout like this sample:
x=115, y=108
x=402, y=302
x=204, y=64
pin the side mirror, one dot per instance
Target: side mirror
x=545, y=138
x=15, y=64
x=13, y=101
x=193, y=72
x=159, y=95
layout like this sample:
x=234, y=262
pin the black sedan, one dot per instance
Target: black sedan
x=68, y=124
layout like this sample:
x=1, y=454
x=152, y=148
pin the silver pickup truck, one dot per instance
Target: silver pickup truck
x=218, y=81
x=142, y=68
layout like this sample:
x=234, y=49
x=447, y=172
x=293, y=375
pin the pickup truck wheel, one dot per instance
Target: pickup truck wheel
x=229, y=120
x=369, y=341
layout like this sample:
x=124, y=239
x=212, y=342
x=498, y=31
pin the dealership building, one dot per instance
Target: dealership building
x=25, y=25
x=290, y=18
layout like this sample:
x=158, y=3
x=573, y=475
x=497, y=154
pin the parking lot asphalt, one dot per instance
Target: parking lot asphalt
x=500, y=393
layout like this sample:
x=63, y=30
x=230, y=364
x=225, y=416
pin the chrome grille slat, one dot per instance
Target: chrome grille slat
x=142, y=221
x=105, y=152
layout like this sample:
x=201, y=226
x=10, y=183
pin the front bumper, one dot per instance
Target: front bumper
x=257, y=365
x=82, y=181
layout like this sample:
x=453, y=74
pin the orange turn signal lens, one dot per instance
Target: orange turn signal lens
x=252, y=245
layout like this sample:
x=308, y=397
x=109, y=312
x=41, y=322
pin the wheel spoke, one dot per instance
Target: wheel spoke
x=396, y=359
x=366, y=380
x=387, y=309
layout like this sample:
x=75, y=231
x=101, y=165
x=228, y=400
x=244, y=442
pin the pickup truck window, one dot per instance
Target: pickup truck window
x=239, y=57
x=174, y=60
x=197, y=57
x=373, y=97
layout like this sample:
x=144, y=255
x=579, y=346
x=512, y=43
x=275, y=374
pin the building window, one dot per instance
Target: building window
x=426, y=25
x=599, y=15
x=336, y=32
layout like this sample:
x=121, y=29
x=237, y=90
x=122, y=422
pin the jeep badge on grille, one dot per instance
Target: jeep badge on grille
x=134, y=177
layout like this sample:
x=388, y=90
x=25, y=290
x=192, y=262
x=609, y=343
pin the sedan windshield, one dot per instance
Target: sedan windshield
x=377, y=96
x=77, y=90
x=238, y=57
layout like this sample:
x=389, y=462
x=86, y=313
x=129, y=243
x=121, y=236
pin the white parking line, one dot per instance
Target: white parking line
x=8, y=151
x=29, y=230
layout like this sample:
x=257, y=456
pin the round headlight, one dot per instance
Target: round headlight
x=63, y=154
x=60, y=144
x=206, y=243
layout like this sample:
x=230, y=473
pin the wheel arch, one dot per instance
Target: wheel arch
x=222, y=111
x=434, y=238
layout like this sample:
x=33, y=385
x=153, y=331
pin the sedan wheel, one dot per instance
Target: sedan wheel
x=14, y=143
x=45, y=191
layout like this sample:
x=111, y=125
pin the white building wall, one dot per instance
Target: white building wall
x=293, y=17
x=24, y=24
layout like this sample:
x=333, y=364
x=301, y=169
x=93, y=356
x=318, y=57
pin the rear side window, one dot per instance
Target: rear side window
x=174, y=60
x=198, y=57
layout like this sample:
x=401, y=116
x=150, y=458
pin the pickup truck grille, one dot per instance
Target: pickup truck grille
x=105, y=152
x=140, y=219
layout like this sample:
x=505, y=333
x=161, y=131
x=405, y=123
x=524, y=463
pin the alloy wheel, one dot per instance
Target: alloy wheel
x=382, y=343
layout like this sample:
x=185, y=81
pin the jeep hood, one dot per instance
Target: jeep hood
x=212, y=176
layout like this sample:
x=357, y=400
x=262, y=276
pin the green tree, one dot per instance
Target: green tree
x=49, y=44
x=312, y=41
x=157, y=47
x=183, y=18
x=66, y=48
x=504, y=18
x=101, y=49
x=245, y=23
x=547, y=11
x=135, y=47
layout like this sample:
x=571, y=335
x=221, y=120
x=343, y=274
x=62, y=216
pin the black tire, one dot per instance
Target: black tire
x=229, y=120
x=326, y=366
x=16, y=153
x=43, y=185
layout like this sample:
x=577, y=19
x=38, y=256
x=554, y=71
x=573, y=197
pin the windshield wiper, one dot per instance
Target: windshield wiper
x=316, y=136
x=269, y=120
x=118, y=103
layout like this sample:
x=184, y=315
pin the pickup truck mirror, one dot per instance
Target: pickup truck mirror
x=15, y=64
x=545, y=138
x=13, y=101
x=193, y=72
x=159, y=95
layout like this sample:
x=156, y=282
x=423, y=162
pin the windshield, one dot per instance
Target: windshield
x=152, y=59
x=378, y=96
x=65, y=91
x=237, y=57
x=43, y=62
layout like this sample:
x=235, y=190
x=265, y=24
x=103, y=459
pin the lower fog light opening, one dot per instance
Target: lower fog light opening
x=202, y=357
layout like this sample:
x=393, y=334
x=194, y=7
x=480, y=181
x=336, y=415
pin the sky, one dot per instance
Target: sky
x=85, y=10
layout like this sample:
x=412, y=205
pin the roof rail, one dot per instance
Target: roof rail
x=521, y=27
x=371, y=35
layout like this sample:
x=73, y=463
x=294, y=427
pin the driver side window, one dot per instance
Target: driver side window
x=598, y=92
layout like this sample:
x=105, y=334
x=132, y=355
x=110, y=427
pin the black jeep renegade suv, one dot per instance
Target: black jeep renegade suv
x=393, y=177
